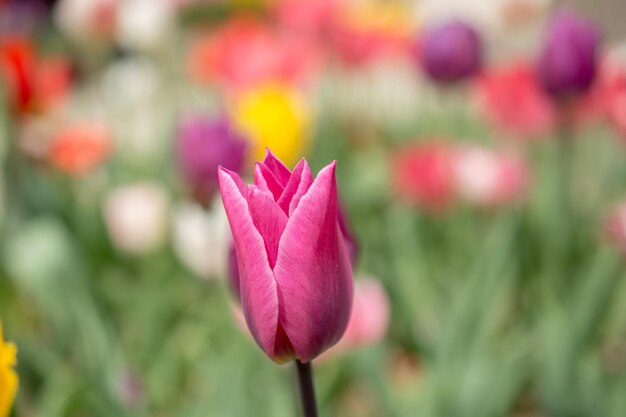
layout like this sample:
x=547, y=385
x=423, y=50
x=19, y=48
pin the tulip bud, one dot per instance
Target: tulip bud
x=450, y=52
x=203, y=145
x=295, y=273
x=8, y=377
x=567, y=64
x=352, y=246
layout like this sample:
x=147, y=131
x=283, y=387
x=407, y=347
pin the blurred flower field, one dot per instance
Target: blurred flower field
x=481, y=166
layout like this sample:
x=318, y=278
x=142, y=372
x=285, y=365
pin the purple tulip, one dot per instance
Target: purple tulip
x=203, y=145
x=568, y=62
x=295, y=272
x=450, y=52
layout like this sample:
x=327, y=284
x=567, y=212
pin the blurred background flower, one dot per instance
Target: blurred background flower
x=136, y=217
x=201, y=239
x=450, y=52
x=203, y=145
x=274, y=116
x=423, y=175
x=567, y=64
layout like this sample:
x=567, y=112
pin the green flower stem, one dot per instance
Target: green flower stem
x=307, y=392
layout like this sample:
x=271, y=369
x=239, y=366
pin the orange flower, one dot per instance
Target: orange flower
x=78, y=148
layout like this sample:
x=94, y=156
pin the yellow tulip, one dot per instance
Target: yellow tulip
x=274, y=116
x=8, y=376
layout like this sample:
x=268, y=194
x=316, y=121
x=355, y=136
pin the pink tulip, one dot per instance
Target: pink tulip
x=295, y=272
x=487, y=178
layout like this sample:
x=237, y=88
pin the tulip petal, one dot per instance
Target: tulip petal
x=299, y=183
x=313, y=271
x=277, y=167
x=259, y=295
x=266, y=180
x=268, y=218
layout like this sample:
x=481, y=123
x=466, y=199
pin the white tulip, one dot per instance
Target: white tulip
x=136, y=217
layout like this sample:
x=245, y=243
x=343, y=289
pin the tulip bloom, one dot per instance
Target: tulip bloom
x=295, y=272
x=274, y=116
x=136, y=217
x=567, y=65
x=512, y=100
x=423, y=175
x=80, y=147
x=489, y=178
x=8, y=377
x=450, y=52
x=202, y=145
x=35, y=84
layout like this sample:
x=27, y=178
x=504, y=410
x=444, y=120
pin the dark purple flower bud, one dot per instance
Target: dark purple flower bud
x=450, y=52
x=203, y=145
x=568, y=62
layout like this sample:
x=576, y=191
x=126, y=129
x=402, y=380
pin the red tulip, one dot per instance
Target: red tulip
x=512, y=100
x=295, y=272
x=423, y=175
x=34, y=84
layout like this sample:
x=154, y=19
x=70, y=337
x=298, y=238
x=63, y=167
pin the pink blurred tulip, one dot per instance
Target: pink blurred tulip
x=422, y=175
x=295, y=272
x=512, y=100
x=369, y=320
x=488, y=178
